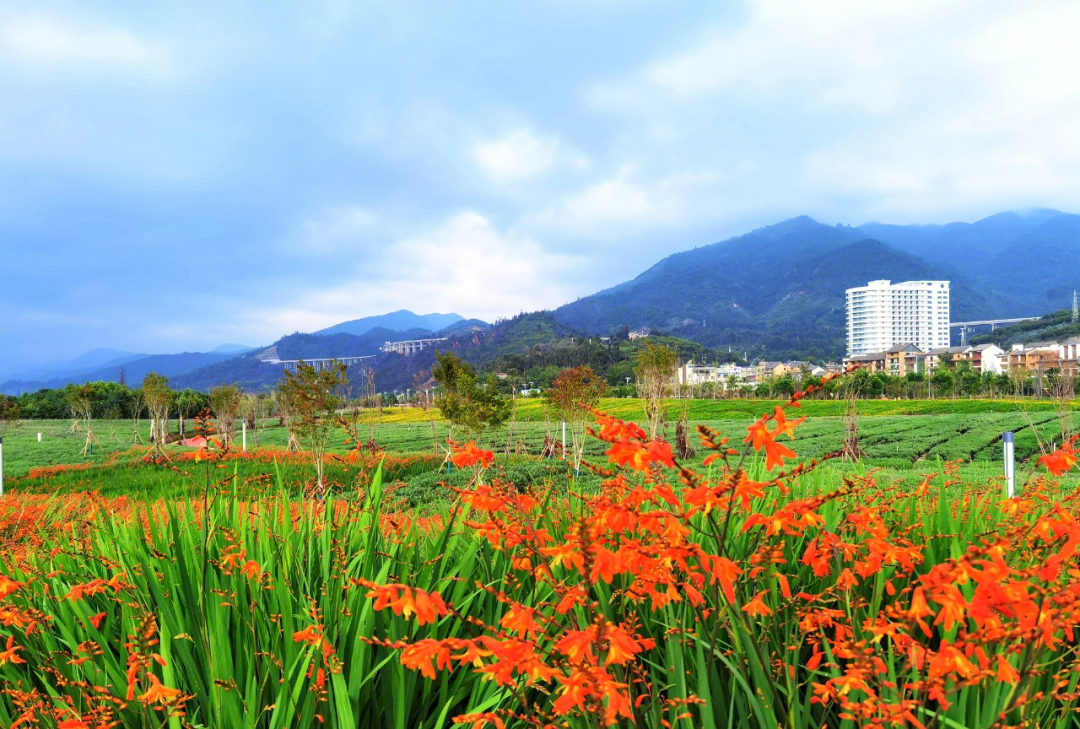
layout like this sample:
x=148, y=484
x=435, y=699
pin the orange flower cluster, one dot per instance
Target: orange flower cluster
x=468, y=455
x=877, y=637
x=1062, y=459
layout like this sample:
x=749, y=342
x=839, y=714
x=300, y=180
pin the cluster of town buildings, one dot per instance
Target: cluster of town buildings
x=904, y=327
x=733, y=375
x=898, y=329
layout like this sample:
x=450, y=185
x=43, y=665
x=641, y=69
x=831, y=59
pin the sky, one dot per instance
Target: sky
x=176, y=176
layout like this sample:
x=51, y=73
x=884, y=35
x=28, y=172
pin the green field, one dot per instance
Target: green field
x=905, y=445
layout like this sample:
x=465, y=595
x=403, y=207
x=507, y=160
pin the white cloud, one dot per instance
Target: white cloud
x=43, y=40
x=914, y=111
x=626, y=204
x=466, y=265
x=516, y=156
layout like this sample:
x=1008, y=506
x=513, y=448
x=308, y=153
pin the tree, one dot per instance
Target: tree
x=81, y=401
x=252, y=408
x=189, y=403
x=784, y=386
x=575, y=392
x=655, y=371
x=312, y=398
x=463, y=400
x=158, y=398
x=942, y=381
x=9, y=413
x=225, y=402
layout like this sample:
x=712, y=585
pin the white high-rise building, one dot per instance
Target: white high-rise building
x=882, y=314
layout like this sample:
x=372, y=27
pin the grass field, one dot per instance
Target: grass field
x=967, y=430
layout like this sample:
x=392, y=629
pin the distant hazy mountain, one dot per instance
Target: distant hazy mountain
x=253, y=374
x=232, y=348
x=134, y=371
x=397, y=321
x=1027, y=263
x=85, y=363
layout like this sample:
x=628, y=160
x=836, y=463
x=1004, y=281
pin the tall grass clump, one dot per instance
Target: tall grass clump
x=751, y=593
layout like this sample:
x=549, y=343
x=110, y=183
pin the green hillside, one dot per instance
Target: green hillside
x=1052, y=327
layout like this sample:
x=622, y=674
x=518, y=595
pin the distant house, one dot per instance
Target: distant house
x=935, y=357
x=771, y=369
x=901, y=359
x=639, y=334
x=988, y=358
x=1040, y=356
x=726, y=374
x=874, y=362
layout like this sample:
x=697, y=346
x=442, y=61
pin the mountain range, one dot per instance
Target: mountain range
x=776, y=291
x=395, y=321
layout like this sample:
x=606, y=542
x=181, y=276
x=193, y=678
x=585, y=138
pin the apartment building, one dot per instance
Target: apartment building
x=883, y=314
x=1040, y=356
x=901, y=359
x=699, y=374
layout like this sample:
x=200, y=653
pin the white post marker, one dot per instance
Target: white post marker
x=39, y=437
x=243, y=434
x=1010, y=464
x=564, y=440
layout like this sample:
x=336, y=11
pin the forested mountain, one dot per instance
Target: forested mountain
x=777, y=289
x=1053, y=327
x=397, y=321
x=780, y=289
x=1027, y=263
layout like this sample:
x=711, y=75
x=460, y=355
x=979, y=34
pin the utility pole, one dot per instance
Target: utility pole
x=1076, y=309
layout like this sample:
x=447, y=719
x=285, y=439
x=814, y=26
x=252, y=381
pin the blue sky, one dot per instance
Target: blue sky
x=176, y=176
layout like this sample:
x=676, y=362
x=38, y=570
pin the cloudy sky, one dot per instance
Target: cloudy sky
x=179, y=175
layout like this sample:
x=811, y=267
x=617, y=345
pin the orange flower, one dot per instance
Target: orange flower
x=757, y=606
x=9, y=654
x=775, y=453
x=521, y=619
x=8, y=586
x=577, y=644
x=158, y=692
x=469, y=455
x=96, y=620
x=660, y=452
x=1006, y=673
x=638, y=456
x=568, y=553
x=724, y=570
x=613, y=429
x=251, y=569
x=310, y=635
x=479, y=721
x=783, y=425
x=622, y=647
x=418, y=656
x=73, y=724
x=1060, y=460
x=759, y=436
x=232, y=557
x=405, y=601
